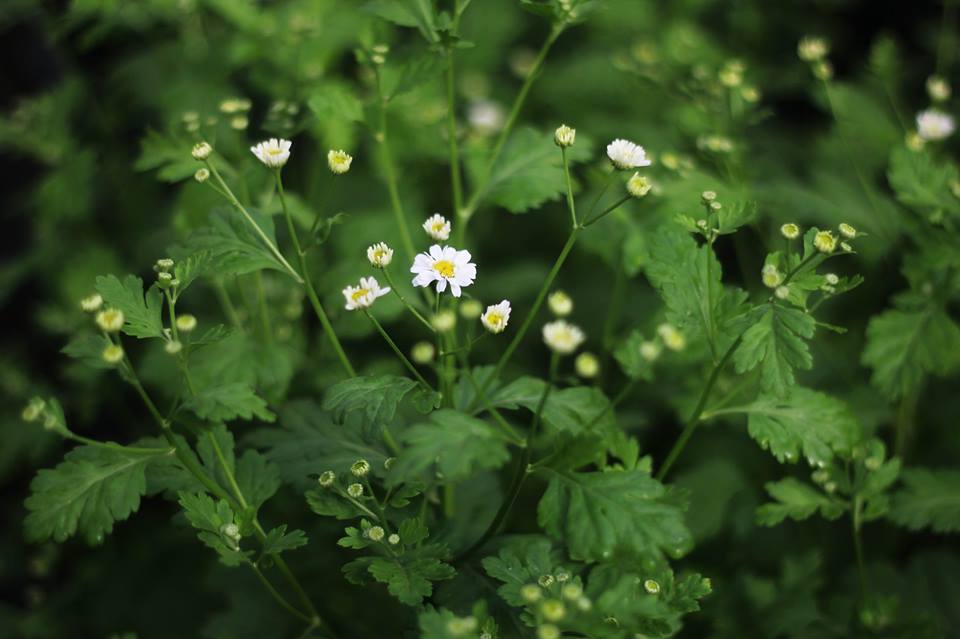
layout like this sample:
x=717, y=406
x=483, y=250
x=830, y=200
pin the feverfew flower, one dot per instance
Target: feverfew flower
x=186, y=323
x=437, y=227
x=790, y=231
x=938, y=89
x=847, y=231
x=562, y=337
x=273, y=152
x=560, y=303
x=365, y=295
x=112, y=354
x=496, y=317
x=812, y=49
x=110, y=320
x=355, y=490
x=825, y=242
x=360, y=468
x=672, y=338
x=782, y=292
x=380, y=255
x=771, y=276
x=626, y=155
x=444, y=265
x=934, y=125
x=564, y=136
x=91, y=303
x=201, y=151
x=202, y=175
x=832, y=279
x=339, y=161
x=638, y=186
x=586, y=365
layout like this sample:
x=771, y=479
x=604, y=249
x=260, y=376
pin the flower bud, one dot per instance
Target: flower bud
x=847, y=231
x=560, y=303
x=173, y=347
x=186, y=323
x=531, y=592
x=825, y=242
x=708, y=196
x=202, y=175
x=112, y=354
x=91, y=303
x=201, y=151
x=355, y=490
x=422, y=352
x=444, y=321
x=471, y=309
x=572, y=591
x=650, y=351
x=771, y=276
x=545, y=580
x=812, y=49
x=33, y=409
x=393, y=539
x=638, y=186
x=831, y=279
x=782, y=292
x=790, y=231
x=380, y=255
x=651, y=586
x=110, y=320
x=564, y=136
x=339, y=161
x=553, y=609
x=375, y=533
x=327, y=478
x=587, y=365
x=672, y=338
x=548, y=631
x=360, y=468
x=938, y=89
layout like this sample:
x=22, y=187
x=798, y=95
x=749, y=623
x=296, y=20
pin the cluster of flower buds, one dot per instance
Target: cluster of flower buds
x=813, y=50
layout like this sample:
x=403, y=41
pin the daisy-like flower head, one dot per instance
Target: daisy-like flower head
x=626, y=155
x=771, y=276
x=444, y=265
x=638, y=186
x=790, y=231
x=560, y=303
x=847, y=231
x=380, y=255
x=110, y=320
x=365, y=295
x=564, y=136
x=812, y=48
x=273, y=152
x=437, y=227
x=938, y=89
x=339, y=161
x=496, y=317
x=934, y=125
x=562, y=337
x=112, y=354
x=825, y=242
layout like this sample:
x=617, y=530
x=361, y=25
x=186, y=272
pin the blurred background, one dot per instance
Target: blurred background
x=101, y=100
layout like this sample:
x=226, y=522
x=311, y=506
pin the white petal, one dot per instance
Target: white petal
x=455, y=289
x=441, y=285
x=436, y=252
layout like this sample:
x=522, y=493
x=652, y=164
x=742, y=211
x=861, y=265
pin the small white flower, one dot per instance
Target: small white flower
x=91, y=303
x=562, y=337
x=832, y=279
x=782, y=292
x=638, y=186
x=560, y=303
x=587, y=366
x=110, y=320
x=437, y=227
x=626, y=155
x=812, y=49
x=444, y=265
x=564, y=136
x=825, y=242
x=790, y=231
x=273, y=152
x=365, y=295
x=496, y=317
x=201, y=151
x=934, y=125
x=186, y=323
x=339, y=161
x=380, y=255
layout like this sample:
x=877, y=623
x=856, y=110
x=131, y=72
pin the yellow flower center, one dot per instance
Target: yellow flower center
x=274, y=151
x=438, y=226
x=444, y=268
x=359, y=294
x=494, y=319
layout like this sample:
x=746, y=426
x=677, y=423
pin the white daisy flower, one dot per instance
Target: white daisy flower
x=444, y=265
x=560, y=303
x=339, y=161
x=562, y=337
x=934, y=125
x=437, y=227
x=273, y=152
x=365, y=295
x=626, y=155
x=496, y=317
x=380, y=255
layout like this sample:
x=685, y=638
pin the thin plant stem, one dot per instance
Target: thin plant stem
x=390, y=174
x=120, y=448
x=308, y=285
x=286, y=605
x=521, y=472
x=456, y=183
x=226, y=303
x=856, y=512
x=695, y=416
x=571, y=205
x=596, y=218
x=405, y=302
x=485, y=401
x=396, y=349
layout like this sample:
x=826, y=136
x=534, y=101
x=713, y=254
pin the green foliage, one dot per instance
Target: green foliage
x=459, y=445
x=375, y=398
x=775, y=341
x=232, y=246
x=573, y=410
x=141, y=313
x=228, y=402
x=929, y=499
x=88, y=492
x=211, y=519
x=923, y=184
x=600, y=515
x=796, y=500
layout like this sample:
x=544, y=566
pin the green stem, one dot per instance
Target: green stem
x=405, y=302
x=391, y=177
x=856, y=524
x=256, y=227
x=596, y=218
x=570, y=202
x=228, y=308
x=308, y=285
x=695, y=416
x=286, y=605
x=528, y=320
x=120, y=448
x=465, y=214
x=403, y=358
x=521, y=472
x=455, y=177
x=504, y=425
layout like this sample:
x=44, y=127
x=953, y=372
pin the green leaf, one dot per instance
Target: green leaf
x=775, y=342
x=412, y=74
x=455, y=442
x=210, y=517
x=228, y=402
x=410, y=578
x=332, y=100
x=519, y=564
x=308, y=442
x=171, y=156
x=233, y=246
x=574, y=410
x=529, y=171
x=628, y=354
x=257, y=478
x=376, y=398
x=796, y=500
x=929, y=499
x=923, y=184
x=327, y=503
x=89, y=349
x=86, y=493
x=407, y=13
x=905, y=345
x=279, y=540
x=141, y=315
x=600, y=515
x=807, y=422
